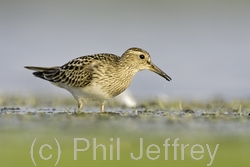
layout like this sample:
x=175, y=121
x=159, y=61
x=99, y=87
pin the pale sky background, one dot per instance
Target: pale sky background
x=203, y=45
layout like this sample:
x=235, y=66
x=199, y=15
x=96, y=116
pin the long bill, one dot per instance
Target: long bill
x=158, y=71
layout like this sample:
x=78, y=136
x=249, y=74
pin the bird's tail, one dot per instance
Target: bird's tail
x=46, y=73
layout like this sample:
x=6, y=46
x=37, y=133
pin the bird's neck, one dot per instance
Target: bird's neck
x=127, y=66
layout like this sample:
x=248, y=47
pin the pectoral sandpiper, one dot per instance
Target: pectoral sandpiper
x=98, y=77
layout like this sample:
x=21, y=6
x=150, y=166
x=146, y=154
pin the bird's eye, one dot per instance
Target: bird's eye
x=142, y=56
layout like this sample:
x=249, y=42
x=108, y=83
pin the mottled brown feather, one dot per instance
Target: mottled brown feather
x=77, y=72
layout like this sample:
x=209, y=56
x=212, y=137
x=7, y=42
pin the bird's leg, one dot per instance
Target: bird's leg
x=80, y=104
x=102, y=106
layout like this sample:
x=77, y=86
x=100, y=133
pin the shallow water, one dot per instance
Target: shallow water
x=212, y=123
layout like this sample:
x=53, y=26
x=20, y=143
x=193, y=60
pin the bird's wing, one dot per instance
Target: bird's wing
x=76, y=73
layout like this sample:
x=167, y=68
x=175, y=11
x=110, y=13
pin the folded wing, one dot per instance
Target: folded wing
x=76, y=73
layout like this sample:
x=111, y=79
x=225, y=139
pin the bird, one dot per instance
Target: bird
x=98, y=77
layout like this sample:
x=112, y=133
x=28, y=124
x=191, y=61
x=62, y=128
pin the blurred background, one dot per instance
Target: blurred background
x=203, y=45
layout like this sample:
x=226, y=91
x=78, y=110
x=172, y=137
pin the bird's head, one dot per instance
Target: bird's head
x=139, y=59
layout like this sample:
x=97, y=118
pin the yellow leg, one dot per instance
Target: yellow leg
x=102, y=107
x=80, y=104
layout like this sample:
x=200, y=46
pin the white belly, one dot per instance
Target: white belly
x=93, y=92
